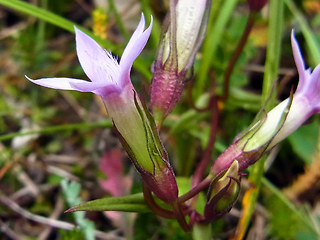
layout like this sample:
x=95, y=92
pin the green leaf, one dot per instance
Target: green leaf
x=184, y=185
x=213, y=38
x=68, y=25
x=54, y=129
x=190, y=119
x=130, y=203
x=312, y=44
x=304, y=141
x=72, y=191
x=306, y=223
x=201, y=232
x=271, y=73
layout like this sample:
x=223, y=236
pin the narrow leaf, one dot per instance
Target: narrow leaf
x=131, y=203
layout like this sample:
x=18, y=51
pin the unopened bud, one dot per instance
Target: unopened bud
x=178, y=47
x=150, y=157
x=223, y=193
x=277, y=124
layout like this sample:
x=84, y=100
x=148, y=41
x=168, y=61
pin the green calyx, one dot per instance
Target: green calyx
x=263, y=132
x=157, y=154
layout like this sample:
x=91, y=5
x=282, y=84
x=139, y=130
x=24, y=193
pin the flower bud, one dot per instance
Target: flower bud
x=277, y=124
x=180, y=42
x=110, y=80
x=223, y=193
x=144, y=147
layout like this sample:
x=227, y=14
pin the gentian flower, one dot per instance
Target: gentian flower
x=279, y=123
x=111, y=81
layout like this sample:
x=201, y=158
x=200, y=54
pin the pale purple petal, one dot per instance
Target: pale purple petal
x=61, y=83
x=84, y=86
x=134, y=47
x=303, y=73
x=312, y=92
x=98, y=64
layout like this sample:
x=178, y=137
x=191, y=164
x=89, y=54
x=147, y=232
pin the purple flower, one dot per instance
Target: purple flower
x=279, y=123
x=106, y=74
x=111, y=81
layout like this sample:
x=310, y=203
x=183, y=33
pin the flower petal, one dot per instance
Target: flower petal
x=312, y=91
x=303, y=73
x=98, y=64
x=134, y=47
x=85, y=86
x=297, y=54
x=61, y=83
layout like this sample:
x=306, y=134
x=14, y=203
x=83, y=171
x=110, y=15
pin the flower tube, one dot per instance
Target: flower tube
x=279, y=123
x=111, y=81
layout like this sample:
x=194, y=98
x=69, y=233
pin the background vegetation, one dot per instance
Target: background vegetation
x=54, y=145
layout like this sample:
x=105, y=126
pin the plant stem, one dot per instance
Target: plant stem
x=180, y=216
x=212, y=137
x=154, y=206
x=236, y=55
x=195, y=190
x=271, y=72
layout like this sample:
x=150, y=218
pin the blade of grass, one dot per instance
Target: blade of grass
x=290, y=205
x=271, y=73
x=68, y=25
x=54, y=129
x=313, y=46
x=214, y=37
x=130, y=203
x=50, y=17
x=119, y=21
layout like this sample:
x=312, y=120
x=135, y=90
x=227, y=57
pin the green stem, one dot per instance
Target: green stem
x=211, y=43
x=311, y=40
x=271, y=73
x=201, y=232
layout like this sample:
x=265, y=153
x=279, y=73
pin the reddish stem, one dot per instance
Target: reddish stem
x=206, y=158
x=154, y=206
x=176, y=206
x=236, y=55
x=195, y=190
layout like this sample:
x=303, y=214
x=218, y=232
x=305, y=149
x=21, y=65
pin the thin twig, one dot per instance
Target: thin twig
x=51, y=222
x=26, y=180
x=10, y=233
x=58, y=209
